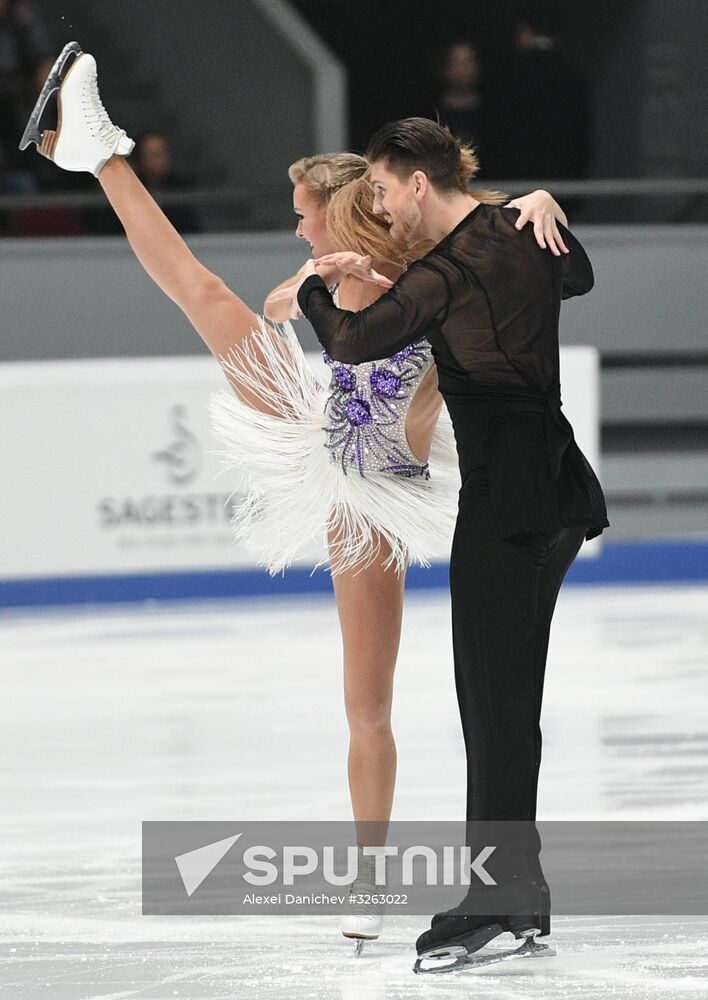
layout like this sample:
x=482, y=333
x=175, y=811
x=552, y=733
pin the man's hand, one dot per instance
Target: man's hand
x=543, y=210
x=347, y=262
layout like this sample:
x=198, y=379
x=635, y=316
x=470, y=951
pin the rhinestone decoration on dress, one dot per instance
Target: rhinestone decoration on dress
x=366, y=412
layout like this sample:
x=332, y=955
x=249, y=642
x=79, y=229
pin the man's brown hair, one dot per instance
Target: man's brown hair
x=412, y=144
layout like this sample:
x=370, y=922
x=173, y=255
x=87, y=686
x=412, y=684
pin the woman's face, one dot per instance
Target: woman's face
x=312, y=221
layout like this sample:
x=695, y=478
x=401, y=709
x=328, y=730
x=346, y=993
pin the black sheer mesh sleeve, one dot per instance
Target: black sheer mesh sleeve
x=420, y=296
x=488, y=288
x=578, y=278
x=488, y=298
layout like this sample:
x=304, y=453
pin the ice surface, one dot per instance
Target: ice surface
x=234, y=711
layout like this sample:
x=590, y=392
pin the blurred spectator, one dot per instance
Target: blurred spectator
x=544, y=106
x=23, y=41
x=152, y=162
x=466, y=104
x=153, y=165
x=460, y=103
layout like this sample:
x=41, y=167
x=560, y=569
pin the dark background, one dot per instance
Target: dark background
x=390, y=49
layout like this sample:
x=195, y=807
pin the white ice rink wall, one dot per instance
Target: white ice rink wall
x=112, y=484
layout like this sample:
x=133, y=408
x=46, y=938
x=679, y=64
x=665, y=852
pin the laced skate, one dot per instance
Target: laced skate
x=455, y=938
x=85, y=137
x=364, y=921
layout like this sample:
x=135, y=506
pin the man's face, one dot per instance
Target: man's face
x=398, y=202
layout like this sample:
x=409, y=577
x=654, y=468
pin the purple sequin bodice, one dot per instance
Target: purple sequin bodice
x=365, y=413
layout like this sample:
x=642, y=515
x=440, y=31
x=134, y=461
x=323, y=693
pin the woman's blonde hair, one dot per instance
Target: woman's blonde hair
x=339, y=182
x=353, y=225
x=325, y=174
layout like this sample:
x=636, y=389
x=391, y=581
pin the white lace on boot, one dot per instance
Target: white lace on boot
x=85, y=138
x=100, y=124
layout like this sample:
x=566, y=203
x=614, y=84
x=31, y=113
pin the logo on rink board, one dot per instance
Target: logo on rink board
x=181, y=460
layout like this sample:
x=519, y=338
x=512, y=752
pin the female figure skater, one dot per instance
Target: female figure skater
x=349, y=459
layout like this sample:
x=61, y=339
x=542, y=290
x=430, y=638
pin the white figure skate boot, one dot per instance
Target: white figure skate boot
x=85, y=138
x=364, y=921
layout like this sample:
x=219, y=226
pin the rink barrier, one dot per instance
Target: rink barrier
x=113, y=473
x=650, y=562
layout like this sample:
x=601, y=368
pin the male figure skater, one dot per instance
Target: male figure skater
x=488, y=300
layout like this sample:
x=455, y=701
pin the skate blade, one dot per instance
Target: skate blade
x=52, y=84
x=449, y=960
x=457, y=958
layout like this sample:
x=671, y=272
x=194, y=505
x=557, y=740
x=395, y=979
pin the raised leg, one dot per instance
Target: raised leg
x=219, y=316
x=86, y=140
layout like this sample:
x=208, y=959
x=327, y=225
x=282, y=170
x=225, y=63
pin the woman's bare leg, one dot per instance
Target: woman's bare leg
x=370, y=607
x=222, y=320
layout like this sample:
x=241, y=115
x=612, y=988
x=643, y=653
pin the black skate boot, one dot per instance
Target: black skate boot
x=542, y=919
x=456, y=938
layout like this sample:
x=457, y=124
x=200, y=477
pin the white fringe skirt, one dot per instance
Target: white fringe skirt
x=296, y=493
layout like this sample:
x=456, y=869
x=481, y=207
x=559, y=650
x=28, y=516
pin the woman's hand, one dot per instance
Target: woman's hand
x=346, y=262
x=543, y=210
x=281, y=304
x=304, y=273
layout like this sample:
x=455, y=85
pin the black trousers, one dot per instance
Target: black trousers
x=503, y=597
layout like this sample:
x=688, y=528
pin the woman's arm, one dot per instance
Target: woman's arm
x=279, y=303
x=219, y=317
x=543, y=210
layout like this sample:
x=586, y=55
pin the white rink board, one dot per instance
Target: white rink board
x=108, y=466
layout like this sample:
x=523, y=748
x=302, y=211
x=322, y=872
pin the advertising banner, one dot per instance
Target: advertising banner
x=109, y=467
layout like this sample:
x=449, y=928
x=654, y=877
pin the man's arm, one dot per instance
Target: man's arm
x=578, y=277
x=402, y=315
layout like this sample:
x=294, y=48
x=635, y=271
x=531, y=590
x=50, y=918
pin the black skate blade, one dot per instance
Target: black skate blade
x=529, y=949
x=52, y=84
x=457, y=958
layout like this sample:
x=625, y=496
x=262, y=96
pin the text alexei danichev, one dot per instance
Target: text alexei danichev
x=291, y=899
